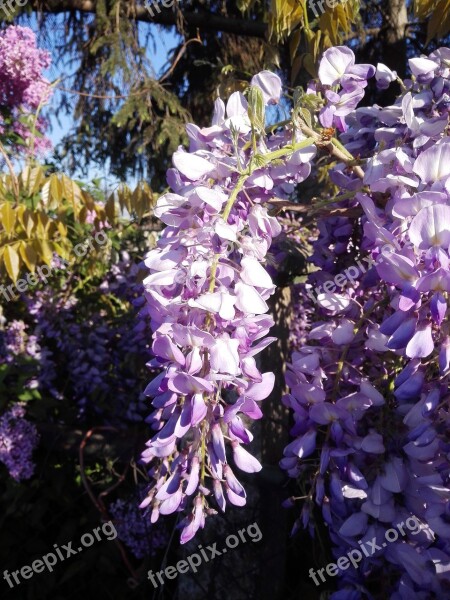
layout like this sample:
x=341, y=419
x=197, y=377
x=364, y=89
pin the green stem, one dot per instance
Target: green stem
x=342, y=148
x=305, y=16
x=276, y=154
x=234, y=194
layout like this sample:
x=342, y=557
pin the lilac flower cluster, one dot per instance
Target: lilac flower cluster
x=18, y=439
x=23, y=89
x=207, y=296
x=369, y=390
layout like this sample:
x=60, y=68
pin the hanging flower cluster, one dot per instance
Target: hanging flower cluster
x=18, y=439
x=369, y=390
x=134, y=530
x=369, y=378
x=207, y=296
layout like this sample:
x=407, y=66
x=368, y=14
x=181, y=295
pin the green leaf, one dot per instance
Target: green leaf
x=256, y=108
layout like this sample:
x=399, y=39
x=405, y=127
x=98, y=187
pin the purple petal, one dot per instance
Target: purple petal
x=431, y=226
x=303, y=446
x=192, y=166
x=411, y=388
x=384, y=76
x=170, y=487
x=402, y=335
x=444, y=356
x=218, y=442
x=218, y=494
x=193, y=477
x=421, y=344
x=325, y=413
x=434, y=163
x=373, y=444
x=237, y=105
x=270, y=85
x=248, y=299
x=237, y=428
x=184, y=422
x=195, y=523
x=422, y=66
x=199, y=409
x=165, y=348
x=224, y=356
x=188, y=384
x=261, y=390
x=397, y=269
x=244, y=460
x=170, y=505
x=334, y=64
x=438, y=308
x=219, y=112
x=395, y=476
x=253, y=273
x=356, y=524
x=235, y=492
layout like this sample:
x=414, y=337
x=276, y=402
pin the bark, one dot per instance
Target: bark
x=396, y=25
x=274, y=437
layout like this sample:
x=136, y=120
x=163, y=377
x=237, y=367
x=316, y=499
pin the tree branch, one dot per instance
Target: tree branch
x=199, y=19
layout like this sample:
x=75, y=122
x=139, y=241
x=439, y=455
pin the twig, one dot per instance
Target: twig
x=178, y=57
x=86, y=95
x=331, y=148
x=98, y=502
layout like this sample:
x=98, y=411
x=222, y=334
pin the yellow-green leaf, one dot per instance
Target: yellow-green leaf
x=12, y=261
x=8, y=217
x=43, y=250
x=28, y=255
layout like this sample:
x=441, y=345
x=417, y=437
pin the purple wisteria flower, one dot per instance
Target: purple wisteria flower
x=207, y=295
x=18, y=439
x=134, y=530
x=338, y=70
x=368, y=384
x=369, y=389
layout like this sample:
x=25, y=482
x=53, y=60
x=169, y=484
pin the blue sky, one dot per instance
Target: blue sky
x=61, y=124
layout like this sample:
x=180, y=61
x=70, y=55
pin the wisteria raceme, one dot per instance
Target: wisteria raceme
x=18, y=439
x=369, y=380
x=134, y=530
x=207, y=294
x=104, y=354
x=369, y=391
